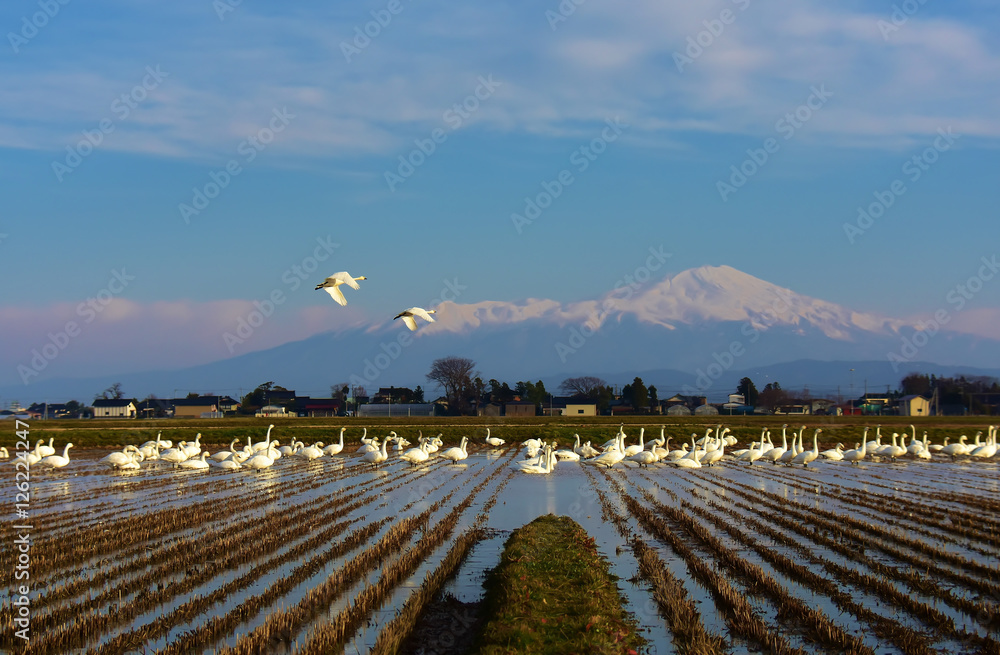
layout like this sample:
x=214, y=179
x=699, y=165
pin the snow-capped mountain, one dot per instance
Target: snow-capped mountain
x=701, y=329
x=710, y=294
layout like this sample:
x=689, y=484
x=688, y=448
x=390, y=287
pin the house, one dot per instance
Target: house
x=283, y=397
x=678, y=400
x=800, y=408
x=821, y=406
x=314, y=407
x=154, y=408
x=914, y=405
x=273, y=411
x=489, y=409
x=519, y=408
x=397, y=409
x=580, y=409
x=194, y=407
x=112, y=408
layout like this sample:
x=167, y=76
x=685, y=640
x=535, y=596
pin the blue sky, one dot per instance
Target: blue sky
x=313, y=121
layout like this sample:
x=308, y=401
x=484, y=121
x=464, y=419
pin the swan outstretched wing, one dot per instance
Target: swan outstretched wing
x=336, y=294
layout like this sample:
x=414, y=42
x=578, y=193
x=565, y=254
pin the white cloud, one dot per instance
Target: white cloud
x=603, y=61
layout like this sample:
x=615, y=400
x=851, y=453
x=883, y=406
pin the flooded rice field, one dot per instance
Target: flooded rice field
x=335, y=555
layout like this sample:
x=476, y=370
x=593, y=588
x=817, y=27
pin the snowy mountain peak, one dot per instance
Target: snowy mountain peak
x=707, y=294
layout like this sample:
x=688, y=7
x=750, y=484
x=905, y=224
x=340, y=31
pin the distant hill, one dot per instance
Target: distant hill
x=702, y=329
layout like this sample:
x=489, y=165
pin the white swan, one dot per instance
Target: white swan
x=989, y=449
x=456, y=454
x=689, y=461
x=45, y=451
x=175, y=455
x=496, y=442
x=807, y=456
x=636, y=448
x=416, y=455
x=957, y=448
x=312, y=452
x=227, y=464
x=408, y=316
x=34, y=456
x=196, y=463
x=260, y=461
x=193, y=450
x=611, y=456
x=546, y=465
x=333, y=283
x=713, y=456
x=834, y=454
x=376, y=457
x=226, y=454
x=775, y=453
x=894, y=450
x=568, y=455
x=266, y=443
x=3, y=452
x=644, y=458
x=57, y=461
x=335, y=448
x=857, y=454
x=118, y=458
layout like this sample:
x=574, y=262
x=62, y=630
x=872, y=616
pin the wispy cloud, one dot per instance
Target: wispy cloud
x=603, y=61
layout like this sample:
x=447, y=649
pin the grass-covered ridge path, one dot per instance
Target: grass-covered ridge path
x=552, y=592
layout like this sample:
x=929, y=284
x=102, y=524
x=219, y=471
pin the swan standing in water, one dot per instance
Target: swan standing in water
x=336, y=448
x=197, y=463
x=689, y=461
x=333, y=283
x=266, y=443
x=494, y=441
x=376, y=457
x=57, y=461
x=807, y=456
x=548, y=461
x=45, y=451
x=312, y=452
x=857, y=454
x=834, y=454
x=456, y=454
x=416, y=455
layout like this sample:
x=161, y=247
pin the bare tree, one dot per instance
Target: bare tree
x=587, y=386
x=454, y=375
x=114, y=392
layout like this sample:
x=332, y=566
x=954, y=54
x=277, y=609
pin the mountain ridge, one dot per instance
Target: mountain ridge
x=712, y=322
